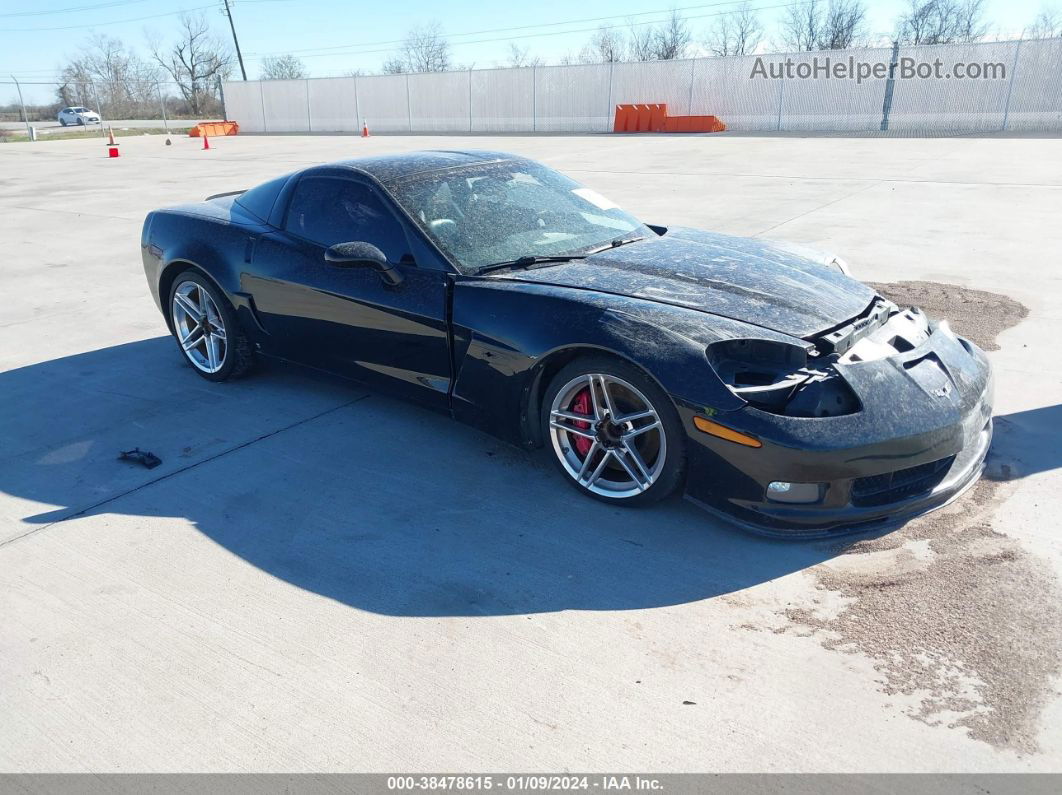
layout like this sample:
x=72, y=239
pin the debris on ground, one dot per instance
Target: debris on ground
x=143, y=457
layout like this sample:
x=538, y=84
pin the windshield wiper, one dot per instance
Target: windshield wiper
x=528, y=261
x=619, y=241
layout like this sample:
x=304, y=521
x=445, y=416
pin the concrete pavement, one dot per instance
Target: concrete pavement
x=318, y=578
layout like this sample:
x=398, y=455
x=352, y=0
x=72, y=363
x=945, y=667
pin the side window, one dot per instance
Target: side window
x=330, y=210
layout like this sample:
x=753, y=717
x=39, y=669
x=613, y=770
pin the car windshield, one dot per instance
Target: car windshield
x=498, y=212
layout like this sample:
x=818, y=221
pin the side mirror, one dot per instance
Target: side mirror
x=357, y=254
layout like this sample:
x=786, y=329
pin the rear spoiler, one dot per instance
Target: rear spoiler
x=223, y=195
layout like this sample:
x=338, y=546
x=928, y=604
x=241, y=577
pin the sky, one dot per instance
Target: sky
x=334, y=37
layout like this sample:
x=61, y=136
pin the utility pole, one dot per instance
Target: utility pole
x=239, y=55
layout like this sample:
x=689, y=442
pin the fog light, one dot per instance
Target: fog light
x=783, y=491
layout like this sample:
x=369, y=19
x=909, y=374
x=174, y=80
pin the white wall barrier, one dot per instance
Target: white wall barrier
x=1023, y=93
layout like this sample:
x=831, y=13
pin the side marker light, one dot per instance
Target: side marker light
x=715, y=429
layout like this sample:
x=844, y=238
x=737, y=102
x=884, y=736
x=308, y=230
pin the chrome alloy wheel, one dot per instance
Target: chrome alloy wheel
x=607, y=435
x=200, y=327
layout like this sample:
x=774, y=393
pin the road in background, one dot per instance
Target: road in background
x=49, y=126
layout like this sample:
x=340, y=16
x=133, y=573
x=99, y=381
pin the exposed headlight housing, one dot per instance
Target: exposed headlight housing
x=775, y=376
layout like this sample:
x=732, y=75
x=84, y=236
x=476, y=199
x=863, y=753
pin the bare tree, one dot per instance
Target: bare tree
x=942, y=21
x=124, y=83
x=606, y=46
x=76, y=83
x=843, y=25
x=665, y=41
x=922, y=23
x=641, y=42
x=195, y=61
x=1047, y=25
x=283, y=67
x=970, y=21
x=426, y=49
x=736, y=33
x=671, y=38
x=521, y=56
x=802, y=26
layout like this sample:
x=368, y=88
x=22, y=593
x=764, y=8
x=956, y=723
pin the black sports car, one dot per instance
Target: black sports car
x=764, y=382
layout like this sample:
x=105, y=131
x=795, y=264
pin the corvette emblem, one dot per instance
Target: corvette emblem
x=944, y=391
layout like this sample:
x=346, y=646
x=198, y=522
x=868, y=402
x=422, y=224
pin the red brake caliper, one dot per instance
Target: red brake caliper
x=581, y=405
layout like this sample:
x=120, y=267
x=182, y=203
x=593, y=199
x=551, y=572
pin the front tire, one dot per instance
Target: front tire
x=613, y=432
x=206, y=329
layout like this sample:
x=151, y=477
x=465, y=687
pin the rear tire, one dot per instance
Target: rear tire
x=630, y=449
x=207, y=331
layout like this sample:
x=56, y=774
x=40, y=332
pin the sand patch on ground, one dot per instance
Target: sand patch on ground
x=951, y=611
x=973, y=628
x=981, y=316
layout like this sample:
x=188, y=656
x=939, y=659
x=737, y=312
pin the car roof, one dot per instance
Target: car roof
x=390, y=168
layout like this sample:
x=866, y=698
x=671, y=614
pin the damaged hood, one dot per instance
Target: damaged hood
x=754, y=281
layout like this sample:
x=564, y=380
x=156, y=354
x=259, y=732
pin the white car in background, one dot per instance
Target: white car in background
x=78, y=115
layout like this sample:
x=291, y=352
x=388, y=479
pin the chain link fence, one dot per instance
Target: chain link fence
x=924, y=89
x=127, y=99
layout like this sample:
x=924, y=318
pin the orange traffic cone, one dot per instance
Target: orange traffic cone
x=112, y=147
x=365, y=129
x=206, y=141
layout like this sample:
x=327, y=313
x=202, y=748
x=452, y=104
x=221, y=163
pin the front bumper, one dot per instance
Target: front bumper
x=919, y=442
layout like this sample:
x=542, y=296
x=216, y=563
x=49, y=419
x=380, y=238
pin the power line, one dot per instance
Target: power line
x=72, y=9
x=518, y=27
x=123, y=21
x=103, y=24
x=345, y=49
x=537, y=35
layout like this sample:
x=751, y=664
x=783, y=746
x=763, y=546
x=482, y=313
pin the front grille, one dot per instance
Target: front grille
x=899, y=485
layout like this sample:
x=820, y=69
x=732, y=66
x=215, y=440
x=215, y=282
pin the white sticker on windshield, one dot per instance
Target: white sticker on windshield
x=595, y=198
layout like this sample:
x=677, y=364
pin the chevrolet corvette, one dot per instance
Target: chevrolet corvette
x=760, y=380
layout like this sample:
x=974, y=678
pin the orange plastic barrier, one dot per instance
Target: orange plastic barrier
x=640, y=118
x=624, y=114
x=214, y=128
x=694, y=124
x=654, y=118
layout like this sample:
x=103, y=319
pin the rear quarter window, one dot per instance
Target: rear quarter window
x=259, y=201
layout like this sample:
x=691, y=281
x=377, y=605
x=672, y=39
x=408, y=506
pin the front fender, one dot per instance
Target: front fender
x=507, y=334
